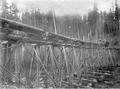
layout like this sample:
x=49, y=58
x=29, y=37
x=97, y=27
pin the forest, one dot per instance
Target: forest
x=87, y=27
x=57, y=67
x=91, y=26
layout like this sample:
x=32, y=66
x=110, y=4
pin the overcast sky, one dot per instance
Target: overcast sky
x=62, y=7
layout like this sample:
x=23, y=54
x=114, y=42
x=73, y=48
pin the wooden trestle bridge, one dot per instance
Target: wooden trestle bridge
x=31, y=53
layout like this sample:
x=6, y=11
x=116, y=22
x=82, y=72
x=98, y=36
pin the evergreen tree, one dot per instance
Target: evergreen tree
x=93, y=17
x=5, y=9
x=14, y=11
x=10, y=11
x=111, y=25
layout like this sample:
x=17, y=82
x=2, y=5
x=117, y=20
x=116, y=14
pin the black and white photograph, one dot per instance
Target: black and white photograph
x=59, y=44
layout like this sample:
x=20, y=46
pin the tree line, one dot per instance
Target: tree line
x=91, y=27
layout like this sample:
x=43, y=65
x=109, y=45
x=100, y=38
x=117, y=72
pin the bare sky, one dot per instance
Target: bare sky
x=62, y=7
